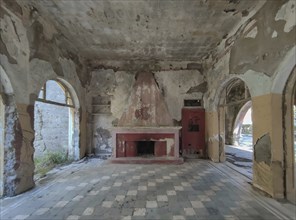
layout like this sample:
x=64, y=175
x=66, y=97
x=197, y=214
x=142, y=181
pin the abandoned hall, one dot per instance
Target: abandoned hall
x=148, y=109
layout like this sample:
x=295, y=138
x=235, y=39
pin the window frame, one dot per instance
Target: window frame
x=67, y=95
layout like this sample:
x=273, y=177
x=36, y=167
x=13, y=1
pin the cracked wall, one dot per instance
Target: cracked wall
x=175, y=83
x=263, y=52
x=254, y=53
x=33, y=51
x=30, y=55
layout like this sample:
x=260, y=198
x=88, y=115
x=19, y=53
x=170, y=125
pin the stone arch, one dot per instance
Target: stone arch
x=226, y=83
x=226, y=135
x=289, y=100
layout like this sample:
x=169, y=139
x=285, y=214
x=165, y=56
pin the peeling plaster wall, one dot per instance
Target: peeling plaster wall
x=263, y=53
x=254, y=60
x=268, y=151
x=254, y=54
x=146, y=105
x=180, y=85
x=115, y=86
x=33, y=51
x=175, y=84
x=136, y=30
x=30, y=55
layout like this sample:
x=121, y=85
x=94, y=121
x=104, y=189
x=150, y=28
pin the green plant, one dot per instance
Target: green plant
x=246, y=129
x=49, y=161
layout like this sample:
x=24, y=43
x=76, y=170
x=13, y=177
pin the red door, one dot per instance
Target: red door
x=193, y=130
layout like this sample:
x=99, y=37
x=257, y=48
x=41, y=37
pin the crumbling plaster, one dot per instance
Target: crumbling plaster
x=263, y=52
x=177, y=86
x=27, y=75
x=116, y=85
x=267, y=115
x=32, y=49
x=288, y=14
x=238, y=59
x=175, y=83
x=142, y=30
x=263, y=63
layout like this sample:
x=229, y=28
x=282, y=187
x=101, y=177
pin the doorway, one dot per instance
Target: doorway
x=235, y=127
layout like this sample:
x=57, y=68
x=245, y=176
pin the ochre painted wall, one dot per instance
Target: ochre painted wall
x=212, y=136
x=268, y=142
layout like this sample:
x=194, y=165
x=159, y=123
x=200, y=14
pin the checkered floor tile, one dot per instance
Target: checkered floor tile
x=100, y=190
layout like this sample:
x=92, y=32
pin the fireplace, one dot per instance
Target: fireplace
x=145, y=148
x=146, y=145
x=145, y=131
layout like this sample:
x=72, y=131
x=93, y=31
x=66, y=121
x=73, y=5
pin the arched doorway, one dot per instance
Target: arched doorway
x=56, y=125
x=243, y=127
x=289, y=113
x=234, y=124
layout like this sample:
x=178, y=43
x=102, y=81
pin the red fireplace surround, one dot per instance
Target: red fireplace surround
x=126, y=142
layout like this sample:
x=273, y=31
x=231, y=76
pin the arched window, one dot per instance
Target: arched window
x=56, y=125
x=60, y=96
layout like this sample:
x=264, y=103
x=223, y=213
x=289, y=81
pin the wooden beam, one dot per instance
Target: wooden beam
x=54, y=103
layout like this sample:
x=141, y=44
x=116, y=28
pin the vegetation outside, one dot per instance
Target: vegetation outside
x=49, y=161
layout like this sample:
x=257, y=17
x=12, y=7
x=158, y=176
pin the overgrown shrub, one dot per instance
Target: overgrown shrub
x=49, y=161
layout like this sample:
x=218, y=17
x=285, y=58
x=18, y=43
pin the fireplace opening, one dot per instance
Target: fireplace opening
x=145, y=148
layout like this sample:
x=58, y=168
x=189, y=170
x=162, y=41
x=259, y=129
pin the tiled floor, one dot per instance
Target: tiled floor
x=241, y=158
x=95, y=189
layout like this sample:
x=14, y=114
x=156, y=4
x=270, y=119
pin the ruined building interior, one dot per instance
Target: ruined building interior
x=147, y=106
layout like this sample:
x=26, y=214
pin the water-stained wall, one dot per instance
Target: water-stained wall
x=30, y=55
x=259, y=52
x=259, y=49
x=175, y=80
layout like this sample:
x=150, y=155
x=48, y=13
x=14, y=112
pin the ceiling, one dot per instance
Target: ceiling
x=144, y=29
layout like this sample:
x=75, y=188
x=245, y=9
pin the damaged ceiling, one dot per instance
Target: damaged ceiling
x=175, y=30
